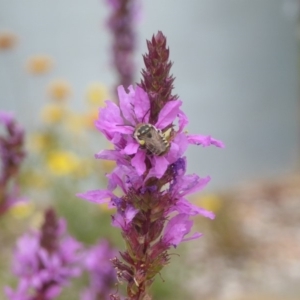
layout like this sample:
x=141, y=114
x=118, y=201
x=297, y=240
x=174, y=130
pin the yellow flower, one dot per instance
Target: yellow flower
x=53, y=113
x=211, y=202
x=59, y=89
x=63, y=162
x=39, y=64
x=21, y=210
x=7, y=40
x=96, y=94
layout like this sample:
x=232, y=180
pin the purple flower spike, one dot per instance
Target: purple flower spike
x=121, y=23
x=44, y=261
x=102, y=275
x=11, y=155
x=147, y=130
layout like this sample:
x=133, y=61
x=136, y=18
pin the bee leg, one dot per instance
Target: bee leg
x=167, y=133
x=141, y=142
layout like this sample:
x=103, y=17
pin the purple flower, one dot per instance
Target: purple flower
x=121, y=23
x=11, y=156
x=101, y=272
x=153, y=212
x=44, y=261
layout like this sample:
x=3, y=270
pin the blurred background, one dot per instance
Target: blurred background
x=236, y=64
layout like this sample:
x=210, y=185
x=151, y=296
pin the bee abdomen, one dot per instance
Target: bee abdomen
x=159, y=149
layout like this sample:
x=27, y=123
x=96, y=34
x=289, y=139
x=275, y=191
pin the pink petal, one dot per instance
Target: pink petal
x=109, y=117
x=204, y=140
x=185, y=207
x=125, y=129
x=142, y=105
x=118, y=220
x=168, y=114
x=217, y=143
x=114, y=180
x=131, y=148
x=97, y=196
x=127, y=103
x=111, y=155
x=138, y=162
x=173, y=154
x=193, y=183
x=176, y=229
x=130, y=213
x=196, y=235
x=160, y=166
x=178, y=147
x=183, y=120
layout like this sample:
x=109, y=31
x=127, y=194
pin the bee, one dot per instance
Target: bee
x=153, y=139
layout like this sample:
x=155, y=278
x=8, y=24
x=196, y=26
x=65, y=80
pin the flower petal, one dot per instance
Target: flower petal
x=160, y=166
x=138, y=162
x=185, y=207
x=204, y=140
x=131, y=148
x=178, y=147
x=196, y=235
x=168, y=114
x=126, y=101
x=109, y=119
x=176, y=229
x=111, y=155
x=183, y=120
x=115, y=180
x=130, y=213
x=97, y=196
x=141, y=105
x=195, y=186
x=173, y=154
x=122, y=219
x=187, y=184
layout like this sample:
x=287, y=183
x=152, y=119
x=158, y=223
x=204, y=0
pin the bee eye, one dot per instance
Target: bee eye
x=149, y=135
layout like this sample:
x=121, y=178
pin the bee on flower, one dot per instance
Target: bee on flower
x=147, y=131
x=122, y=126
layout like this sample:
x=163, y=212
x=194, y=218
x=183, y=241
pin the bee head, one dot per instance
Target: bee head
x=141, y=132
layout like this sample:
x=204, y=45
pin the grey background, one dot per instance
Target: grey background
x=235, y=63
